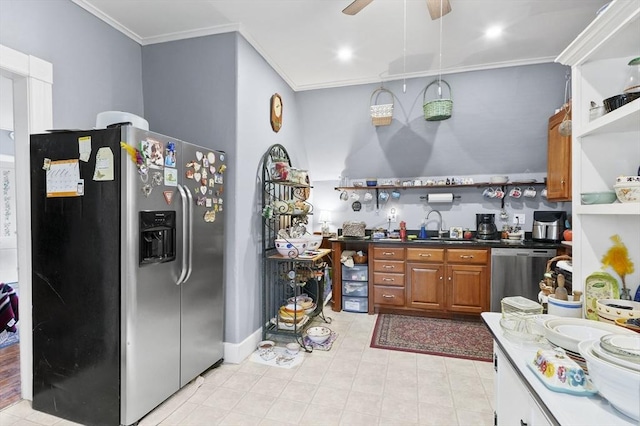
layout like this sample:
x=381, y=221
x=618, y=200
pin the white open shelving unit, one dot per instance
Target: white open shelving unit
x=606, y=147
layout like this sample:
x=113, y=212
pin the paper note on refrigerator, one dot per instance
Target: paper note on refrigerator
x=63, y=179
x=104, y=164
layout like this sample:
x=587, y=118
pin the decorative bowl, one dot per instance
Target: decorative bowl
x=628, y=192
x=609, y=310
x=619, y=385
x=604, y=197
x=318, y=334
x=359, y=259
x=564, y=308
x=560, y=373
x=292, y=247
x=372, y=182
x=293, y=348
x=314, y=241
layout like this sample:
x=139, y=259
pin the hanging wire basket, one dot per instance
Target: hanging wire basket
x=437, y=109
x=381, y=114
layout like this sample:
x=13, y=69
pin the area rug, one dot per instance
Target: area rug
x=434, y=336
x=7, y=339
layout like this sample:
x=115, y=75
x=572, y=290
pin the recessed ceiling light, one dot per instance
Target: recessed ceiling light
x=493, y=32
x=345, y=54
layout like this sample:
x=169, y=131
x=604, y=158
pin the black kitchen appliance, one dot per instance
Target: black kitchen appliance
x=548, y=225
x=486, y=227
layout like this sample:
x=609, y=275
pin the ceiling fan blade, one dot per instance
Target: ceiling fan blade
x=356, y=7
x=434, y=8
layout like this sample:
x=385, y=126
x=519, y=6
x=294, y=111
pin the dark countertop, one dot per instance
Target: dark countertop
x=527, y=243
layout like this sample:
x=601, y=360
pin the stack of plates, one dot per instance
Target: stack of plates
x=569, y=332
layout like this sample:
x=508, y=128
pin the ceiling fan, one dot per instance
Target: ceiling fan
x=433, y=6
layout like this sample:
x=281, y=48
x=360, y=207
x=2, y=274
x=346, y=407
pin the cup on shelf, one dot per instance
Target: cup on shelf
x=489, y=193
x=530, y=192
x=499, y=193
x=515, y=192
x=543, y=193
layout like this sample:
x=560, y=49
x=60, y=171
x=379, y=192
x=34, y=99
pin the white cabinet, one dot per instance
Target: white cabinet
x=514, y=403
x=608, y=146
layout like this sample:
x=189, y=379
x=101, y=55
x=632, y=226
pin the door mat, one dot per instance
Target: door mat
x=434, y=336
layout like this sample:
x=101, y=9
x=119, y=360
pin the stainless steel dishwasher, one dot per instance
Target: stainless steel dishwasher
x=517, y=272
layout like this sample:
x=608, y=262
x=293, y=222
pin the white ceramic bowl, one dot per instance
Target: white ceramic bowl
x=499, y=179
x=610, y=314
x=318, y=334
x=292, y=247
x=623, y=179
x=628, y=192
x=314, y=241
x=564, y=308
x=569, y=332
x=620, y=386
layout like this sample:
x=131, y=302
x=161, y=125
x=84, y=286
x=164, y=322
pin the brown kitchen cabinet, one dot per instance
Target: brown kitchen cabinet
x=388, y=272
x=558, y=161
x=436, y=280
x=468, y=286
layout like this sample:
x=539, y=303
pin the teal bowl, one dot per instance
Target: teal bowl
x=605, y=197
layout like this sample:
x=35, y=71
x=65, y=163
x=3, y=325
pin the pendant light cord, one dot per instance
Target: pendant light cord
x=440, y=70
x=404, y=50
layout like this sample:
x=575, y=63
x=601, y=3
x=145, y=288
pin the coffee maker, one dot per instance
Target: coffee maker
x=486, y=227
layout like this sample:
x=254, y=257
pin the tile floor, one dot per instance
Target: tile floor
x=352, y=384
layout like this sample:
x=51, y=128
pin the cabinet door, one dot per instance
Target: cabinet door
x=514, y=404
x=425, y=286
x=467, y=288
x=558, y=161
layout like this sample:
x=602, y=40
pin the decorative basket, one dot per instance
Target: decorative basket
x=353, y=229
x=437, y=109
x=381, y=114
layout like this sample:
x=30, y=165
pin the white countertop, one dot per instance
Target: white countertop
x=564, y=408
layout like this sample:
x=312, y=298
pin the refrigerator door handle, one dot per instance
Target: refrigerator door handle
x=185, y=230
x=189, y=236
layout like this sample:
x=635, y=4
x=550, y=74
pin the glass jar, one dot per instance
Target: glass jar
x=632, y=82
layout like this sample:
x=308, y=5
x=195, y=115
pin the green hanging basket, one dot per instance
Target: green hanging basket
x=437, y=109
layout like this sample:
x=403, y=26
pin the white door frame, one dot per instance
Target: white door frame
x=33, y=113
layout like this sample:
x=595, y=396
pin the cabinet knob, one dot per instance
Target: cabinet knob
x=388, y=253
x=562, y=182
x=389, y=296
x=440, y=278
x=388, y=279
x=425, y=255
x=462, y=256
x=388, y=266
x=449, y=278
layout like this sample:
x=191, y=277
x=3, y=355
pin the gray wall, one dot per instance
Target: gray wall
x=95, y=68
x=215, y=91
x=498, y=127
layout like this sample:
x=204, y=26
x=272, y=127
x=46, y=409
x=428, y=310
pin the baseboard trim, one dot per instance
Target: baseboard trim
x=235, y=353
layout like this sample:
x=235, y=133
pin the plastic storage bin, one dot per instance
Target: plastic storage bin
x=357, y=273
x=355, y=288
x=354, y=304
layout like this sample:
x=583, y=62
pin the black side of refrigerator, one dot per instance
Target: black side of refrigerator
x=76, y=284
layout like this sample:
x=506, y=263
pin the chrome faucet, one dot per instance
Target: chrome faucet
x=441, y=232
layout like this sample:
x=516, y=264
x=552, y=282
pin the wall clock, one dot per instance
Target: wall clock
x=276, y=112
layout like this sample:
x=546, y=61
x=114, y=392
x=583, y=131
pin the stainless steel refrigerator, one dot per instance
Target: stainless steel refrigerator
x=127, y=254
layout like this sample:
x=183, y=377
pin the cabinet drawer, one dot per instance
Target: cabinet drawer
x=468, y=256
x=390, y=266
x=388, y=279
x=425, y=254
x=390, y=296
x=355, y=289
x=393, y=253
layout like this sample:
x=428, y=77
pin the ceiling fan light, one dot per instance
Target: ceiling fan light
x=355, y=7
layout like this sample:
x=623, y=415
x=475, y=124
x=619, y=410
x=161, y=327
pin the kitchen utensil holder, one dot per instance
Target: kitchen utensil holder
x=381, y=114
x=437, y=109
